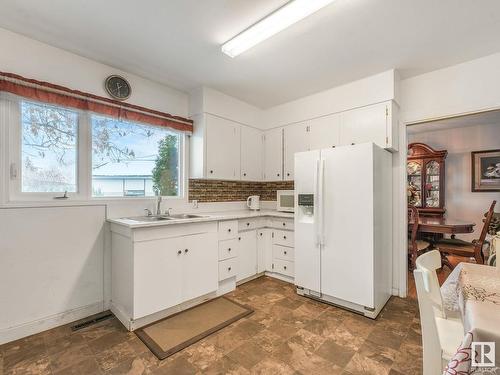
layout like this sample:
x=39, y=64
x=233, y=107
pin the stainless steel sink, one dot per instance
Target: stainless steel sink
x=148, y=218
x=185, y=216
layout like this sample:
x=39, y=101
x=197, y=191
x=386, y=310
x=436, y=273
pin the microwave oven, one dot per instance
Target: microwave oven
x=285, y=200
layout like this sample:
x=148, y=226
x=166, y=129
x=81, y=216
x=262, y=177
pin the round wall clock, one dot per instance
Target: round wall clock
x=118, y=87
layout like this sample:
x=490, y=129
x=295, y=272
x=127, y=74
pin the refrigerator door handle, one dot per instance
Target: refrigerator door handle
x=317, y=238
x=321, y=203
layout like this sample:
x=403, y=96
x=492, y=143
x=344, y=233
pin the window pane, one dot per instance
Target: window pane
x=49, y=148
x=133, y=160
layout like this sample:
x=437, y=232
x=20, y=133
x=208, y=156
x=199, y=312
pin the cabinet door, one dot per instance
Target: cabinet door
x=324, y=132
x=273, y=154
x=157, y=275
x=247, y=254
x=200, y=265
x=251, y=154
x=367, y=124
x=223, y=148
x=264, y=250
x=295, y=139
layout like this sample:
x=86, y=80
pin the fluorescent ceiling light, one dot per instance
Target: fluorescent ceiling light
x=287, y=15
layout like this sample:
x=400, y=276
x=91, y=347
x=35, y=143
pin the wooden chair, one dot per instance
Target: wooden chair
x=415, y=246
x=441, y=335
x=474, y=249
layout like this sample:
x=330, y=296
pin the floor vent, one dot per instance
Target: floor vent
x=91, y=321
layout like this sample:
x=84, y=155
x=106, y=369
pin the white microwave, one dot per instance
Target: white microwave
x=285, y=200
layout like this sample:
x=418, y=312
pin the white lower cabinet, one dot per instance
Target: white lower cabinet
x=247, y=254
x=158, y=268
x=283, y=243
x=199, y=266
x=155, y=269
x=170, y=271
x=264, y=250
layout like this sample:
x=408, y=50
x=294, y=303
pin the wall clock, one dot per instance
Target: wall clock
x=118, y=87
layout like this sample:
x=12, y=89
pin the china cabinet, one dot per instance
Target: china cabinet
x=426, y=179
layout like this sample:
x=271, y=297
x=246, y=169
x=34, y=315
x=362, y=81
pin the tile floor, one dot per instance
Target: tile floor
x=287, y=334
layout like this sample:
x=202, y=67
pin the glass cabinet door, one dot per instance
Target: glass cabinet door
x=432, y=184
x=414, y=185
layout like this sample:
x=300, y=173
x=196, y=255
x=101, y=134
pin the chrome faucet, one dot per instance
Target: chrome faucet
x=158, y=204
x=148, y=212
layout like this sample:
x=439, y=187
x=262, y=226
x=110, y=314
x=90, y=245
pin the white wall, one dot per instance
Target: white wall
x=33, y=59
x=374, y=89
x=207, y=100
x=468, y=87
x=460, y=201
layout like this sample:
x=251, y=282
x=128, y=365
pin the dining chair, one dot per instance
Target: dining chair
x=441, y=335
x=474, y=249
x=415, y=246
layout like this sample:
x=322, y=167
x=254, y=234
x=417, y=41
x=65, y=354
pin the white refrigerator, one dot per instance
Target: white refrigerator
x=343, y=226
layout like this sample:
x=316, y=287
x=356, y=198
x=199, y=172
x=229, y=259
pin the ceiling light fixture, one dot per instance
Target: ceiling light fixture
x=287, y=15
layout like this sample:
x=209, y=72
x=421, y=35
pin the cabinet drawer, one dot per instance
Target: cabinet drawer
x=285, y=267
x=248, y=224
x=227, y=268
x=283, y=252
x=228, y=229
x=282, y=224
x=228, y=249
x=283, y=237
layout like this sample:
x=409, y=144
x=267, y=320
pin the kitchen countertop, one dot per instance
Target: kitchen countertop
x=207, y=216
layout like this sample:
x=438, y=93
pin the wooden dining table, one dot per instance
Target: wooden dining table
x=440, y=225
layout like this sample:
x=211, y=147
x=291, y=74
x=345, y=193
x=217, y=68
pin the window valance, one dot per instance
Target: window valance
x=59, y=95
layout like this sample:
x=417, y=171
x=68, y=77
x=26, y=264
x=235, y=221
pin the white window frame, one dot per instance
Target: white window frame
x=182, y=163
x=10, y=137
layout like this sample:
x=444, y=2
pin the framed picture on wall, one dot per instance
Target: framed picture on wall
x=485, y=170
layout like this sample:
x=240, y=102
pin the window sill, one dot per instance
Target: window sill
x=89, y=202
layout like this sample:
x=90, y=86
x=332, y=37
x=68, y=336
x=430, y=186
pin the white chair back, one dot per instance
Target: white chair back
x=430, y=304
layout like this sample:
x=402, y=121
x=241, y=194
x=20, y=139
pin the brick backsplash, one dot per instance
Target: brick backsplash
x=229, y=191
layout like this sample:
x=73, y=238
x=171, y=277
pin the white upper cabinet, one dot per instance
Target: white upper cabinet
x=251, y=153
x=273, y=155
x=222, y=148
x=295, y=139
x=375, y=123
x=324, y=132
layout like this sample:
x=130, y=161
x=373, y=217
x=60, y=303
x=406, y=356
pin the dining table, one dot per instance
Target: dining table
x=473, y=292
x=441, y=225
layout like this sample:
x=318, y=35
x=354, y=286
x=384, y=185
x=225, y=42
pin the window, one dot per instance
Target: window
x=53, y=150
x=49, y=137
x=133, y=160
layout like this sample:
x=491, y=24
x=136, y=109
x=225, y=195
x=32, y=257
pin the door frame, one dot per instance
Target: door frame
x=401, y=257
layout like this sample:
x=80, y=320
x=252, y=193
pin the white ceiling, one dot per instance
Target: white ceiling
x=483, y=118
x=177, y=42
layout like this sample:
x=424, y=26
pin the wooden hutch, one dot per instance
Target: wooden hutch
x=426, y=179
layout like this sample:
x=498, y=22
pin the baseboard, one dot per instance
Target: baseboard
x=49, y=322
x=281, y=277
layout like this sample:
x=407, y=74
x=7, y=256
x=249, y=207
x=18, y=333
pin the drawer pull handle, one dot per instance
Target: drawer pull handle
x=229, y=230
x=179, y=252
x=284, y=252
x=229, y=268
x=277, y=174
x=260, y=233
x=244, y=174
x=239, y=238
x=284, y=267
x=248, y=224
x=284, y=224
x=284, y=237
x=186, y=250
x=229, y=249
x=288, y=174
x=211, y=171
